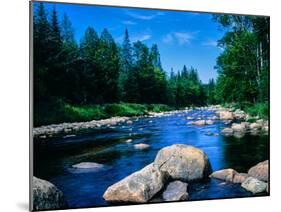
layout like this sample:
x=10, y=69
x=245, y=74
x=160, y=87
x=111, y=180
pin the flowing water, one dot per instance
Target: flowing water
x=53, y=158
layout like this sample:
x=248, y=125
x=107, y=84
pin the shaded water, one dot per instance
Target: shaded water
x=53, y=158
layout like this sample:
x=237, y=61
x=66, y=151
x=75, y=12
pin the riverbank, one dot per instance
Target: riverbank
x=239, y=121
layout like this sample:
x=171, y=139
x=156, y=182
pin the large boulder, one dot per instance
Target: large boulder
x=260, y=171
x=226, y=115
x=175, y=191
x=224, y=174
x=254, y=185
x=138, y=187
x=46, y=196
x=182, y=162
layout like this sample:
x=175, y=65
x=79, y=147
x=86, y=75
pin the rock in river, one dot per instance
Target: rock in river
x=227, y=132
x=224, y=174
x=182, y=162
x=240, y=177
x=254, y=185
x=138, y=187
x=175, y=191
x=88, y=165
x=260, y=171
x=141, y=146
x=46, y=196
x=199, y=122
x=226, y=115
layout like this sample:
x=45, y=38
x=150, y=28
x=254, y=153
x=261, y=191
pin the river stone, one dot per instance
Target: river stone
x=224, y=174
x=199, y=122
x=255, y=126
x=141, y=146
x=210, y=122
x=138, y=187
x=175, y=191
x=254, y=185
x=260, y=171
x=241, y=128
x=88, y=165
x=226, y=115
x=227, y=131
x=240, y=177
x=183, y=162
x=46, y=196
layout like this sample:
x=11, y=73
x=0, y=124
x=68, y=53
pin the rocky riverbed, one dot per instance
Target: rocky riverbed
x=166, y=149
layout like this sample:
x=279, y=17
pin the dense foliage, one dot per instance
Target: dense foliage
x=98, y=71
x=243, y=66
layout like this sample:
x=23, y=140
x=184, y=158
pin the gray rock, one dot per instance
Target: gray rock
x=226, y=115
x=224, y=174
x=182, y=162
x=46, y=196
x=227, y=132
x=138, y=187
x=240, y=177
x=260, y=171
x=88, y=165
x=199, y=122
x=254, y=185
x=175, y=191
x=210, y=122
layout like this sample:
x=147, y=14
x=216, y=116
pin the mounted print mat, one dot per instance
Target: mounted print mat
x=134, y=105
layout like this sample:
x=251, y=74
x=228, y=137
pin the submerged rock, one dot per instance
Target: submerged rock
x=183, y=162
x=175, y=191
x=260, y=171
x=88, y=165
x=138, y=187
x=254, y=185
x=46, y=196
x=210, y=122
x=141, y=146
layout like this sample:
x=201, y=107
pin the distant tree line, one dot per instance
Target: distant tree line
x=99, y=71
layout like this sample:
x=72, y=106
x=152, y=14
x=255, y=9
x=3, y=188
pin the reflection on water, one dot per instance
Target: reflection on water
x=53, y=158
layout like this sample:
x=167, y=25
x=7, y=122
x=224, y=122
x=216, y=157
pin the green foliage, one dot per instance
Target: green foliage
x=125, y=109
x=260, y=109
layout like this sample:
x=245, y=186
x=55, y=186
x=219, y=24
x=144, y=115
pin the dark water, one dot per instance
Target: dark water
x=53, y=158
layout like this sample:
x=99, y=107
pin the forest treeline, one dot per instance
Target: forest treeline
x=74, y=79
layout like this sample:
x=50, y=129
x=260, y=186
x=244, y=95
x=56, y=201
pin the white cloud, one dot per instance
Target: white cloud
x=180, y=37
x=144, y=17
x=127, y=22
x=141, y=38
x=183, y=37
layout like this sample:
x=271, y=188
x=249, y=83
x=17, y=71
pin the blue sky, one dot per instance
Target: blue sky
x=183, y=38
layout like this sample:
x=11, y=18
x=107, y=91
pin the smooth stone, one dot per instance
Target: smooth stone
x=210, y=122
x=88, y=165
x=199, y=122
x=254, y=185
x=227, y=131
x=224, y=174
x=226, y=115
x=260, y=171
x=183, y=162
x=175, y=191
x=129, y=140
x=141, y=146
x=138, y=187
x=240, y=177
x=46, y=196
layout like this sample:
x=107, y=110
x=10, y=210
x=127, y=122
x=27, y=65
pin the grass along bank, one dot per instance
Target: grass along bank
x=78, y=113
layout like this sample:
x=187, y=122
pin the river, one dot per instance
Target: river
x=53, y=158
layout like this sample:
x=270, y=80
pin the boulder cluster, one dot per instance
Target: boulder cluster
x=255, y=181
x=168, y=176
